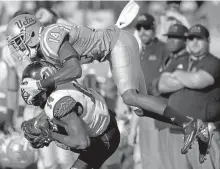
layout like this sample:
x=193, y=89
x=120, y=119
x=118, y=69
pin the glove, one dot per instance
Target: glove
x=36, y=131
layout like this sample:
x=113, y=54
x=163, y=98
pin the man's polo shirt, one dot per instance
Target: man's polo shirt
x=200, y=103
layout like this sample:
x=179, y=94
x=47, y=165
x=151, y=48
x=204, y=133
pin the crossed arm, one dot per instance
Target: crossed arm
x=171, y=82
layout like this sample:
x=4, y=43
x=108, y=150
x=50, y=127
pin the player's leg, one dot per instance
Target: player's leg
x=65, y=158
x=101, y=148
x=127, y=74
x=47, y=155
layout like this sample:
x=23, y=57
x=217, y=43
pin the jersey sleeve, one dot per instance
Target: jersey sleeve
x=62, y=102
x=59, y=104
x=52, y=39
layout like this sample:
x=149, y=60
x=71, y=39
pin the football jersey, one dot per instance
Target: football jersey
x=89, y=43
x=95, y=114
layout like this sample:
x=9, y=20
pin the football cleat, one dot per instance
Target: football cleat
x=190, y=131
x=204, y=141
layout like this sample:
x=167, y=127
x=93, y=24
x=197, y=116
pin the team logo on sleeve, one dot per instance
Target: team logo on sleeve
x=63, y=106
x=46, y=72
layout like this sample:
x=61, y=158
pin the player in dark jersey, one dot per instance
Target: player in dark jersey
x=86, y=125
x=69, y=47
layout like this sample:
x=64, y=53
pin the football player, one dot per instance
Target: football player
x=88, y=126
x=69, y=47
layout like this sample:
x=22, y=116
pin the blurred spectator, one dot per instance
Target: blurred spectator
x=173, y=5
x=195, y=93
x=110, y=93
x=152, y=55
x=211, y=11
x=90, y=81
x=170, y=17
x=3, y=94
x=189, y=9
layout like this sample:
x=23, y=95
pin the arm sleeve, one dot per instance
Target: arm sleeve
x=211, y=65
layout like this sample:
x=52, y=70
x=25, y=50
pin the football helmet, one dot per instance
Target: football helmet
x=38, y=70
x=23, y=36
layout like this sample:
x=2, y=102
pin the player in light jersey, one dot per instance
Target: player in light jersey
x=69, y=47
x=90, y=128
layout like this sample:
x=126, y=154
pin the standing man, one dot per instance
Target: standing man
x=177, y=59
x=196, y=93
x=152, y=54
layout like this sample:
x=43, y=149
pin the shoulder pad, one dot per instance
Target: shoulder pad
x=51, y=40
x=59, y=104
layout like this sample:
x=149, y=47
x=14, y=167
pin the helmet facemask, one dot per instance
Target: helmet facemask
x=19, y=47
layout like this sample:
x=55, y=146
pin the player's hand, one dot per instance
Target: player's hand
x=36, y=131
x=32, y=87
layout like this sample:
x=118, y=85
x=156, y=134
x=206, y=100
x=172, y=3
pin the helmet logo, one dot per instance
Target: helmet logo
x=46, y=72
x=25, y=23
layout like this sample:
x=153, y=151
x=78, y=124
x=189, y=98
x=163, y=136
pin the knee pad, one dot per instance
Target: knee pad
x=139, y=112
x=129, y=97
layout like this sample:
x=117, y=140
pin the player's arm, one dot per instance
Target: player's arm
x=70, y=67
x=167, y=83
x=77, y=137
x=194, y=80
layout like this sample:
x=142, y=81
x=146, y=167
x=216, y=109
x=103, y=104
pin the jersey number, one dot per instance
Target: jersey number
x=55, y=36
